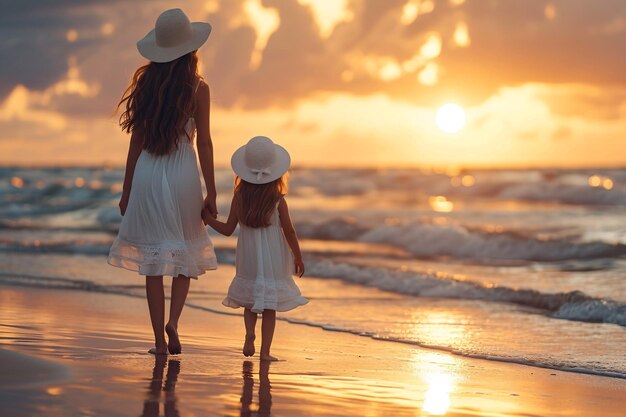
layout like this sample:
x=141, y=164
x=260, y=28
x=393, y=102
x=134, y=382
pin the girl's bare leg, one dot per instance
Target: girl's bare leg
x=180, y=289
x=267, y=334
x=249, y=318
x=156, y=305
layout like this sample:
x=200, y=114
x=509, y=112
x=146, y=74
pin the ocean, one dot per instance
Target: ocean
x=522, y=266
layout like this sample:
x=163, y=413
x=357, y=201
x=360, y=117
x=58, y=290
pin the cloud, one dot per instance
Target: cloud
x=34, y=40
x=267, y=60
x=480, y=47
x=583, y=100
x=278, y=52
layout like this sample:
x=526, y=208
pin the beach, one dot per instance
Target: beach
x=460, y=209
x=87, y=355
x=506, y=299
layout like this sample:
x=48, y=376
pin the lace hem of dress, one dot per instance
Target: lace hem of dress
x=171, y=258
x=256, y=307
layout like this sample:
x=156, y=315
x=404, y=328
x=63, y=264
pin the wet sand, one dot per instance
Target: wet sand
x=86, y=354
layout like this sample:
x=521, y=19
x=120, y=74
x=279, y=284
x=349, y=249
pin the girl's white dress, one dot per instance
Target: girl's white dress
x=264, y=277
x=162, y=232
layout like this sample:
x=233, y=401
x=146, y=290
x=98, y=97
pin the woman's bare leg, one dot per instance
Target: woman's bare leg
x=249, y=318
x=156, y=305
x=267, y=334
x=180, y=289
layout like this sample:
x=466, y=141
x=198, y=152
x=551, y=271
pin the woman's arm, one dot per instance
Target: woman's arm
x=290, y=236
x=134, y=150
x=205, y=145
x=227, y=228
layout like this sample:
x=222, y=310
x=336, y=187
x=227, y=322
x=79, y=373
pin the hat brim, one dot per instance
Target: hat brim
x=149, y=49
x=276, y=170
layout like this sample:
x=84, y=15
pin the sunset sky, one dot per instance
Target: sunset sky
x=337, y=82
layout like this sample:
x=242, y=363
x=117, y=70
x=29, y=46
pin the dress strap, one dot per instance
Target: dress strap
x=197, y=85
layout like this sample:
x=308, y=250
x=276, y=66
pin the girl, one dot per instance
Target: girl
x=263, y=282
x=161, y=232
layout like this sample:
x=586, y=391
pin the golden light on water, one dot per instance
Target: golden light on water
x=17, y=182
x=464, y=180
x=117, y=187
x=54, y=391
x=594, y=181
x=450, y=118
x=599, y=181
x=468, y=180
x=107, y=29
x=438, y=380
x=440, y=204
x=437, y=397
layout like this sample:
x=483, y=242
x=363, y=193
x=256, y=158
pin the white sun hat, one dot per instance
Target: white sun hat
x=173, y=36
x=260, y=161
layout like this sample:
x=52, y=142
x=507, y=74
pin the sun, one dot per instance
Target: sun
x=450, y=118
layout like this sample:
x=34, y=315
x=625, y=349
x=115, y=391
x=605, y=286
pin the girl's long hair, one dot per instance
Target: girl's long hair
x=257, y=201
x=159, y=101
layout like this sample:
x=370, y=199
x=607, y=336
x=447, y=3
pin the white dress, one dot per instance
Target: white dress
x=162, y=232
x=264, y=264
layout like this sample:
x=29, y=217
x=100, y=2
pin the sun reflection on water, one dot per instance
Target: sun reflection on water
x=440, y=204
x=437, y=397
x=436, y=371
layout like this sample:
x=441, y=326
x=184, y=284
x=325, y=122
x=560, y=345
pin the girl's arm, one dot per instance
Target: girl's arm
x=205, y=145
x=290, y=235
x=134, y=150
x=227, y=228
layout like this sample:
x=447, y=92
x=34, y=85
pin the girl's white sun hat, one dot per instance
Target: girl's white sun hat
x=173, y=36
x=260, y=161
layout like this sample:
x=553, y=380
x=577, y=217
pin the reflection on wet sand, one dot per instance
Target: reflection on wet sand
x=265, y=395
x=153, y=396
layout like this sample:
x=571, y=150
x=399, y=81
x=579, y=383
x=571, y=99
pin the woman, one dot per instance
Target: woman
x=162, y=232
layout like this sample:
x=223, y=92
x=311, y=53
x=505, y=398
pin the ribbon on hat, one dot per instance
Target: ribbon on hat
x=259, y=172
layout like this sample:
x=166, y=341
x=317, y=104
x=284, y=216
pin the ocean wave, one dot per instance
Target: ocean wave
x=85, y=247
x=574, y=305
x=429, y=240
x=433, y=240
x=563, y=193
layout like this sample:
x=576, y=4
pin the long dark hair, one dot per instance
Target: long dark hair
x=257, y=201
x=159, y=101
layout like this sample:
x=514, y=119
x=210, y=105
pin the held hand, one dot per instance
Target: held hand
x=211, y=206
x=206, y=216
x=299, y=267
x=123, y=203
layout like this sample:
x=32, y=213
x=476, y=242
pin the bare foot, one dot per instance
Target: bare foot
x=174, y=342
x=158, y=350
x=248, y=346
x=269, y=358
